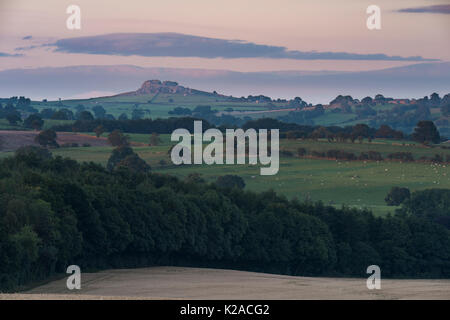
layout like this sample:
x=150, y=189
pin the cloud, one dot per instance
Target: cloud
x=3, y=54
x=181, y=45
x=440, y=8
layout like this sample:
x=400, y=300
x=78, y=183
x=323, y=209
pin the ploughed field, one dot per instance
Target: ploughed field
x=199, y=283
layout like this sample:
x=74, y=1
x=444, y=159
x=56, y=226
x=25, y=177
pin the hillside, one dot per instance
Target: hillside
x=152, y=87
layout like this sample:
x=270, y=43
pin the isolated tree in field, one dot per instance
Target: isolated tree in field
x=117, y=139
x=13, y=118
x=47, y=138
x=99, y=130
x=230, y=181
x=397, y=196
x=34, y=121
x=426, y=132
x=154, y=139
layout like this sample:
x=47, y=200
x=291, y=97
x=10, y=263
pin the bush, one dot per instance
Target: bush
x=397, y=196
x=403, y=156
x=286, y=153
x=230, y=181
x=301, y=152
x=319, y=154
x=371, y=155
x=341, y=155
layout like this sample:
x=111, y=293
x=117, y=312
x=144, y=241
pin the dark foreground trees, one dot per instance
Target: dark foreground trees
x=55, y=212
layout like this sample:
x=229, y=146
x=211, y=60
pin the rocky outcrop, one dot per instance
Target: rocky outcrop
x=157, y=86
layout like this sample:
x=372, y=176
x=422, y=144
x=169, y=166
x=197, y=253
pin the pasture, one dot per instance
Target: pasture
x=361, y=184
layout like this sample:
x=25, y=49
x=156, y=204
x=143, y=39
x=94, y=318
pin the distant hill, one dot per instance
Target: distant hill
x=151, y=87
x=412, y=81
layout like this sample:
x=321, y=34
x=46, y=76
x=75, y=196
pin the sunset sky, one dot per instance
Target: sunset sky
x=30, y=31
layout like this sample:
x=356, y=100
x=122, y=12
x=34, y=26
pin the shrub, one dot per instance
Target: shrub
x=403, y=156
x=301, y=152
x=397, y=196
x=230, y=181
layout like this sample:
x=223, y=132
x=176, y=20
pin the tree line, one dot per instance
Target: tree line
x=55, y=212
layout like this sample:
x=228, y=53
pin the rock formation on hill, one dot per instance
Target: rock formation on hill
x=168, y=87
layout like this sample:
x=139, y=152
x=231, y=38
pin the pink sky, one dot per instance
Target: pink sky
x=321, y=25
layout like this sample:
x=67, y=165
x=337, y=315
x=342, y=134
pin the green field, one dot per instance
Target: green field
x=354, y=183
x=155, y=106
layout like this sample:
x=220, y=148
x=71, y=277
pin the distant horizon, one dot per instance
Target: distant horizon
x=199, y=44
x=262, y=36
x=76, y=82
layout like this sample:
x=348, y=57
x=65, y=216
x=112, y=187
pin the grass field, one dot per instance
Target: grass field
x=155, y=106
x=362, y=184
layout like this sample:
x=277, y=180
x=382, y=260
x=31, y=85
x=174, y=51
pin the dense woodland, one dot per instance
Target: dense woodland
x=55, y=212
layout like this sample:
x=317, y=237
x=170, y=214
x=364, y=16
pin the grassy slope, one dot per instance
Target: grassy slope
x=358, y=183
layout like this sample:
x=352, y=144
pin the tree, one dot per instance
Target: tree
x=85, y=116
x=47, y=138
x=13, y=118
x=134, y=163
x=137, y=114
x=435, y=100
x=154, y=139
x=445, y=110
x=117, y=139
x=426, y=132
x=34, y=121
x=62, y=114
x=99, y=112
x=397, y=196
x=32, y=155
x=387, y=132
x=230, y=181
x=361, y=130
x=99, y=130
x=123, y=117
x=79, y=108
x=118, y=154
x=432, y=204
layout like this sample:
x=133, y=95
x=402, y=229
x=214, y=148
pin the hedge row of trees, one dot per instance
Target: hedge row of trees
x=55, y=212
x=369, y=155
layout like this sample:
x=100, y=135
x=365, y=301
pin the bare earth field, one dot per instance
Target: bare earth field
x=13, y=140
x=198, y=283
